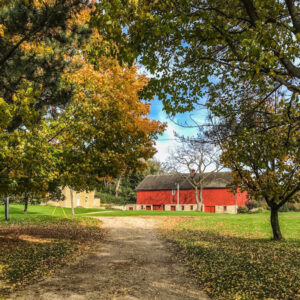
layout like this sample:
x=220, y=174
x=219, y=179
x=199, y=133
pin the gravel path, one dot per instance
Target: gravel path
x=131, y=263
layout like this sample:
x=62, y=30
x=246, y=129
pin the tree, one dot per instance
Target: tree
x=37, y=41
x=116, y=136
x=195, y=48
x=235, y=54
x=129, y=182
x=72, y=120
x=261, y=146
x=199, y=159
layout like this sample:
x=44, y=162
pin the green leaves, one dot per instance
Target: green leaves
x=202, y=45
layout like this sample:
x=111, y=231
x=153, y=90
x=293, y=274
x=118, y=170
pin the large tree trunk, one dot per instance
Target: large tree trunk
x=72, y=202
x=275, y=224
x=197, y=199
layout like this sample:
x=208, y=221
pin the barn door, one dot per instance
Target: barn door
x=210, y=209
x=158, y=207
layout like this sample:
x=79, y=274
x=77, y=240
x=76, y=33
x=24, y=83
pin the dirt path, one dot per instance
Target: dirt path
x=132, y=263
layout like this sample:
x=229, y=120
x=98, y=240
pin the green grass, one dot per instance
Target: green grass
x=256, y=224
x=133, y=213
x=39, y=213
x=233, y=256
x=33, y=245
x=248, y=225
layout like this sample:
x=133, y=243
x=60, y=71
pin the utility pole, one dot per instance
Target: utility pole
x=72, y=201
x=7, y=208
x=177, y=196
x=235, y=202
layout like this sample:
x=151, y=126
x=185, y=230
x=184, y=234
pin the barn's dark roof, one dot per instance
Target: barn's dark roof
x=169, y=181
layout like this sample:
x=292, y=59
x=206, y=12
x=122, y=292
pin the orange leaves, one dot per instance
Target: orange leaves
x=109, y=113
x=2, y=30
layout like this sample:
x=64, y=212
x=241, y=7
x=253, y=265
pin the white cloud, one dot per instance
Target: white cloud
x=167, y=141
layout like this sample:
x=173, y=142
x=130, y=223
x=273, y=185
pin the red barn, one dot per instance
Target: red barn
x=174, y=192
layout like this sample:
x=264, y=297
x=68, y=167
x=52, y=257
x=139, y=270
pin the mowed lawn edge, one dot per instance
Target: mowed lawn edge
x=231, y=263
x=33, y=245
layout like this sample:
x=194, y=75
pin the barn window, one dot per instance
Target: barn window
x=192, y=207
x=225, y=208
x=173, y=192
x=86, y=200
x=182, y=207
x=142, y=207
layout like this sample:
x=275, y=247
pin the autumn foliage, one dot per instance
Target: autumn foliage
x=67, y=117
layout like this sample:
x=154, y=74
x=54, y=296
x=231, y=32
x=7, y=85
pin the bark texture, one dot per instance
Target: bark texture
x=25, y=204
x=275, y=224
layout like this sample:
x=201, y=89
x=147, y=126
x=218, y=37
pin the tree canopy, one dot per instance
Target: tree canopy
x=231, y=57
x=263, y=155
x=67, y=118
x=197, y=48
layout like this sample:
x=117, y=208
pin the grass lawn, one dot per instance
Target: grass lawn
x=33, y=245
x=41, y=211
x=133, y=213
x=233, y=257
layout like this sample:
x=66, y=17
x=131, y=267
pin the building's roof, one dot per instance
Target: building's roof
x=169, y=181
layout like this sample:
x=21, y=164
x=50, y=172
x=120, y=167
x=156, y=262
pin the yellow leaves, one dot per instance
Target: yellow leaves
x=4, y=112
x=33, y=250
x=2, y=30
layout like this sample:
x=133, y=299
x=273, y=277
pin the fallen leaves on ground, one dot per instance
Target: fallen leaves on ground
x=31, y=251
x=232, y=267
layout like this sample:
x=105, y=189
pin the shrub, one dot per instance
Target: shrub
x=242, y=210
x=107, y=198
x=250, y=204
x=110, y=198
x=290, y=207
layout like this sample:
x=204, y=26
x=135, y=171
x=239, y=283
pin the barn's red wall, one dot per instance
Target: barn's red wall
x=210, y=197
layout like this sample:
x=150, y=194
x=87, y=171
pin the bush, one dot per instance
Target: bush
x=242, y=210
x=250, y=204
x=107, y=198
x=110, y=198
x=289, y=207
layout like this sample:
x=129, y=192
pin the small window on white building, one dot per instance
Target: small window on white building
x=182, y=207
x=192, y=207
x=225, y=208
x=86, y=200
x=142, y=207
x=173, y=192
x=78, y=200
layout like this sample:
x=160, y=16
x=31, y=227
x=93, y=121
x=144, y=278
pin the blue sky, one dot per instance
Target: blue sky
x=167, y=141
